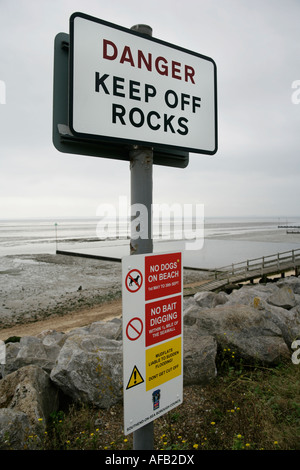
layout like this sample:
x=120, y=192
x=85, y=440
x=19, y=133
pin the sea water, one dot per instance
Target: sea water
x=222, y=241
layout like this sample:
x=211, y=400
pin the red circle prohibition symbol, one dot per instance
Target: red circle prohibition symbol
x=134, y=280
x=134, y=329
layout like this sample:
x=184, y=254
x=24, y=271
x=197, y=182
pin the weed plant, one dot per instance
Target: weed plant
x=247, y=407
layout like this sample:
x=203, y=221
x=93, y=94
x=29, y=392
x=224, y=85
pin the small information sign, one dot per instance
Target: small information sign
x=163, y=319
x=152, y=337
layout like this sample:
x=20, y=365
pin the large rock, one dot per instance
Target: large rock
x=40, y=351
x=14, y=429
x=292, y=282
x=277, y=302
x=283, y=297
x=29, y=391
x=287, y=320
x=210, y=299
x=43, y=350
x=110, y=330
x=251, y=294
x=246, y=330
x=199, y=365
x=89, y=369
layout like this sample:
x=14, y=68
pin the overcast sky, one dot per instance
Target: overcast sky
x=256, y=46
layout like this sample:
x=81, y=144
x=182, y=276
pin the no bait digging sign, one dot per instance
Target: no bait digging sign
x=131, y=88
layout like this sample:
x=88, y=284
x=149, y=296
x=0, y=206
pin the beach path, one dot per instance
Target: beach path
x=66, y=322
x=78, y=318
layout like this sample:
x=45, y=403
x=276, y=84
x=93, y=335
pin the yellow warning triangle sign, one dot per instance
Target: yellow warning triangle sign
x=135, y=378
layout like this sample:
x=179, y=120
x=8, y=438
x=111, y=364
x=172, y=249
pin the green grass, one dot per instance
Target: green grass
x=246, y=407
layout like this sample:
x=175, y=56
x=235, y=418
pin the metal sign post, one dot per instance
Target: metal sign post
x=141, y=171
x=168, y=110
x=141, y=164
x=2, y=358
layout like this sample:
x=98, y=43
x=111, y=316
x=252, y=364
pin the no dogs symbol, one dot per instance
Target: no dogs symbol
x=134, y=280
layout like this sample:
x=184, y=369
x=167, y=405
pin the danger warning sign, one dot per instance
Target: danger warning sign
x=135, y=378
x=163, y=363
x=138, y=89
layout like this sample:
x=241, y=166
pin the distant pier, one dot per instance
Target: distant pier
x=291, y=228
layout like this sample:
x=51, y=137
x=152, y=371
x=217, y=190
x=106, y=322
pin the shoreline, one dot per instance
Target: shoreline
x=67, y=322
x=45, y=291
x=41, y=291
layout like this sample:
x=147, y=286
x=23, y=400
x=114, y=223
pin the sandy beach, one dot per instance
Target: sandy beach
x=47, y=291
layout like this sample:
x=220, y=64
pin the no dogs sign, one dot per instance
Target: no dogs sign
x=134, y=280
x=127, y=87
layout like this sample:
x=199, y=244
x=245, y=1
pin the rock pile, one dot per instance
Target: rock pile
x=259, y=322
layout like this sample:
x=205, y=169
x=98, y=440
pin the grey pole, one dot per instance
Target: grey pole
x=141, y=163
x=55, y=236
x=2, y=358
x=141, y=171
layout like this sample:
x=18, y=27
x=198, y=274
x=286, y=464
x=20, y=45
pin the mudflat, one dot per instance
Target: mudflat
x=47, y=291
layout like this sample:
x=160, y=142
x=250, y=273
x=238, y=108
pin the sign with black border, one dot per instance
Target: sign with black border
x=63, y=139
x=135, y=89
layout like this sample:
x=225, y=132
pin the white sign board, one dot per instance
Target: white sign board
x=136, y=89
x=152, y=337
